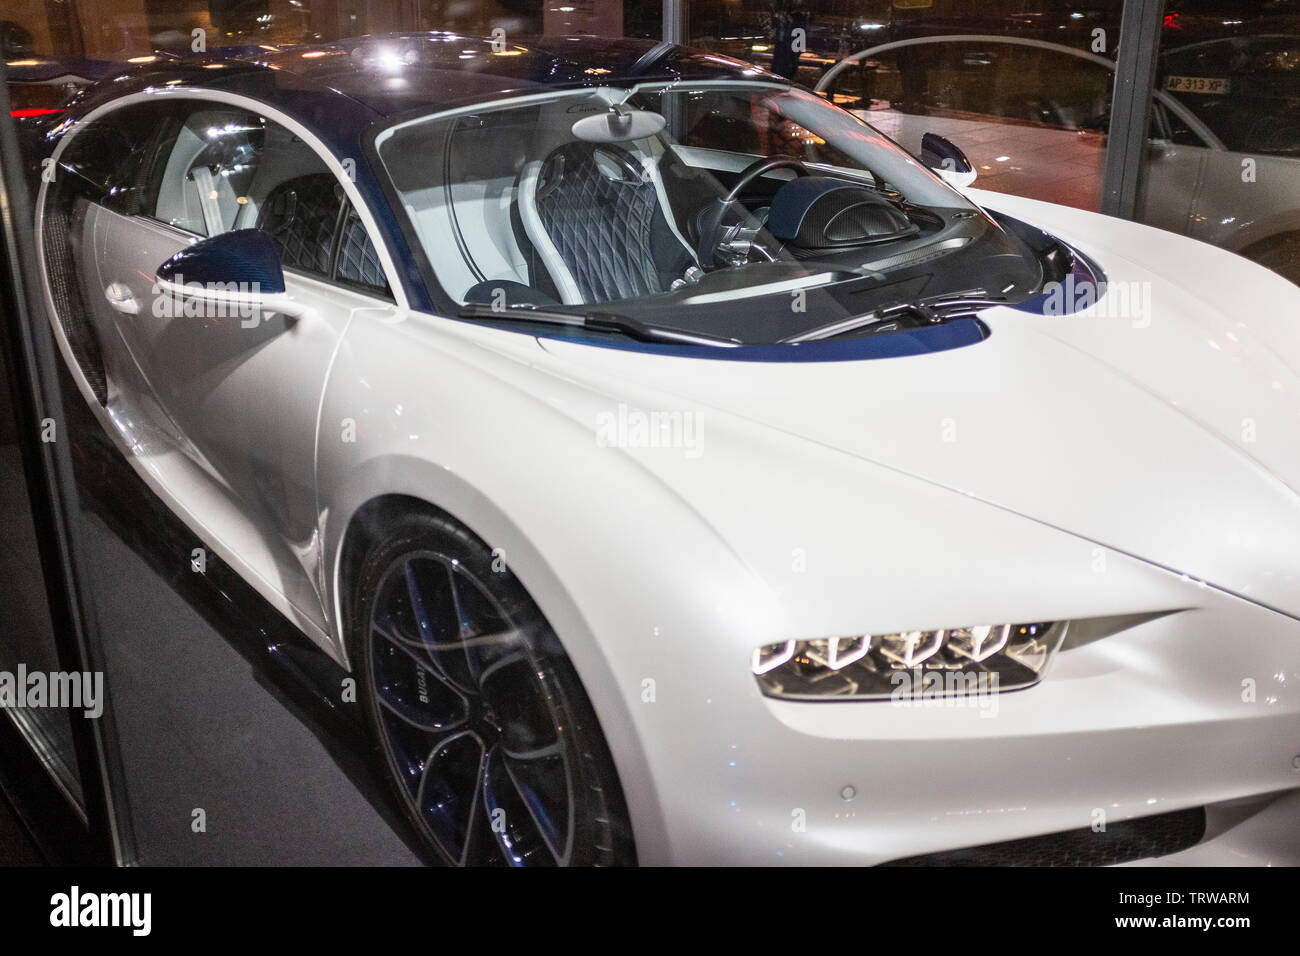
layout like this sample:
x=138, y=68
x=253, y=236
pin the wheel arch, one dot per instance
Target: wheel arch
x=1253, y=249
x=382, y=486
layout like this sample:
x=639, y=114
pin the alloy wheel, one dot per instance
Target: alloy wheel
x=471, y=725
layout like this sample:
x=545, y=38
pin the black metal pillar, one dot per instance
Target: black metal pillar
x=1130, y=114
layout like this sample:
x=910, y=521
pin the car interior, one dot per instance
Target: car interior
x=720, y=195
x=230, y=170
x=540, y=215
x=545, y=217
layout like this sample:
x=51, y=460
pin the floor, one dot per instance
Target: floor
x=232, y=752
x=16, y=846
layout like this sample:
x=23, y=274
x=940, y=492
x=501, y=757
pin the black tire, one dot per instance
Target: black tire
x=1280, y=253
x=500, y=691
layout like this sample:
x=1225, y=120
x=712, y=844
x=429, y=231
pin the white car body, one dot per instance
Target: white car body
x=670, y=566
x=1136, y=474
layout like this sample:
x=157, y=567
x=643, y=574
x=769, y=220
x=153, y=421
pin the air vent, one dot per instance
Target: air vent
x=1121, y=842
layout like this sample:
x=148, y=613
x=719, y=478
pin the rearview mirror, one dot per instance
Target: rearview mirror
x=619, y=124
x=946, y=159
x=233, y=275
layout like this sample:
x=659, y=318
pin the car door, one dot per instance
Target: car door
x=243, y=390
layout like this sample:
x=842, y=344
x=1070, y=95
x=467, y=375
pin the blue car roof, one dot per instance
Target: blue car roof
x=345, y=89
x=383, y=76
x=401, y=72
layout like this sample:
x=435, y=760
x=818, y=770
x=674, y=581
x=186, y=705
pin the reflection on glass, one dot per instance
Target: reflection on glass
x=132, y=30
x=721, y=195
x=1223, y=164
x=1026, y=95
x=27, y=641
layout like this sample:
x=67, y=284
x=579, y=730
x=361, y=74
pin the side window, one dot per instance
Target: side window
x=1166, y=125
x=753, y=125
x=207, y=177
x=301, y=214
x=721, y=122
x=358, y=262
x=231, y=169
x=113, y=160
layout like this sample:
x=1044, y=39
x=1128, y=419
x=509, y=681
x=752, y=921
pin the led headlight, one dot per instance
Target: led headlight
x=987, y=658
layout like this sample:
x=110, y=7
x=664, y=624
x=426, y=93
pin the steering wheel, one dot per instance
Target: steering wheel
x=724, y=237
x=761, y=167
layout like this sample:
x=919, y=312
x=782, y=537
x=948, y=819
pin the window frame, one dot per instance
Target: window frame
x=159, y=152
x=396, y=294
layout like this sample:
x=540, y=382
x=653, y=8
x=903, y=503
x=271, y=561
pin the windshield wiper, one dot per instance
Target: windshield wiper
x=932, y=310
x=596, y=322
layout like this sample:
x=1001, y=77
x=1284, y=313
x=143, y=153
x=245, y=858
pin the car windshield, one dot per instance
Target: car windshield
x=750, y=211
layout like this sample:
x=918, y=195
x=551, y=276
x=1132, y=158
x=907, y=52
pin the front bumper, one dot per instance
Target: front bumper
x=1193, y=708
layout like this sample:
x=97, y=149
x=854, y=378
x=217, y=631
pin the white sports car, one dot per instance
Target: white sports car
x=687, y=473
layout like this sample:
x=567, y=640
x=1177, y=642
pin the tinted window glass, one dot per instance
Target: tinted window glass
x=231, y=169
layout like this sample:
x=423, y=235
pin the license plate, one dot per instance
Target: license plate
x=1196, y=84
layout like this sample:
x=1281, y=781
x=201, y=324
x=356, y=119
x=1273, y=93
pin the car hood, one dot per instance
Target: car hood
x=1168, y=430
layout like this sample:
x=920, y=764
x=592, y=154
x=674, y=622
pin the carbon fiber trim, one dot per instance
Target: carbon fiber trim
x=70, y=309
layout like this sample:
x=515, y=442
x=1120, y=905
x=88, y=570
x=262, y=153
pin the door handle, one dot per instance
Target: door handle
x=121, y=298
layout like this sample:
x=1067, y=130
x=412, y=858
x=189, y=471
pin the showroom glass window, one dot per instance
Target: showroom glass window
x=29, y=639
x=1226, y=167
x=1026, y=95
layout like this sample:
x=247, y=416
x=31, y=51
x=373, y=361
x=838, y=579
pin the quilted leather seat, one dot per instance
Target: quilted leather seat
x=358, y=261
x=300, y=215
x=604, y=217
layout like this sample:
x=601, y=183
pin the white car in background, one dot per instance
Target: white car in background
x=690, y=475
x=1243, y=195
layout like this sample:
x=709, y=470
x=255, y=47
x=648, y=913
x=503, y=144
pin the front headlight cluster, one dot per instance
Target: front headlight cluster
x=983, y=659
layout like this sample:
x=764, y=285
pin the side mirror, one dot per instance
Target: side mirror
x=235, y=274
x=1159, y=149
x=946, y=159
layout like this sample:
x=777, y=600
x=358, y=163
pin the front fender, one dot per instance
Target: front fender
x=616, y=560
